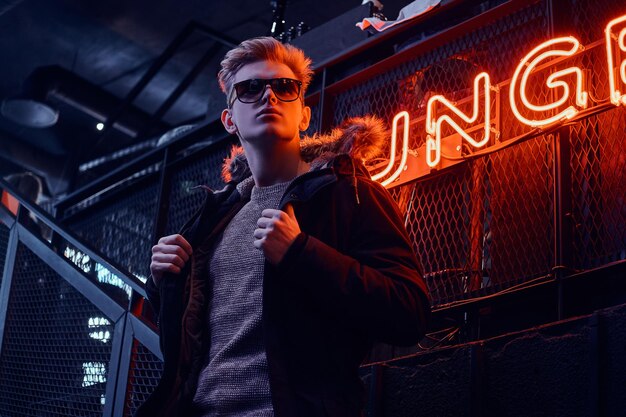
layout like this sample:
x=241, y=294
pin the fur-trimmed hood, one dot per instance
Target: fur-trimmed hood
x=363, y=138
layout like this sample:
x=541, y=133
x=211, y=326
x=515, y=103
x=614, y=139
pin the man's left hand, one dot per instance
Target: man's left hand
x=276, y=230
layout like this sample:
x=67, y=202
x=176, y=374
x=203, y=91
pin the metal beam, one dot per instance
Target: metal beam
x=45, y=218
x=68, y=272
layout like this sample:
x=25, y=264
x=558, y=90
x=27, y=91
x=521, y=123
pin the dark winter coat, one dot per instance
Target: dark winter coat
x=348, y=280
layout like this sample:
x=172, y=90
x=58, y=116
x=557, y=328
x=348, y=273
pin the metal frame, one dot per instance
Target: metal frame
x=119, y=397
x=62, y=267
x=7, y=278
x=126, y=326
x=68, y=236
x=116, y=377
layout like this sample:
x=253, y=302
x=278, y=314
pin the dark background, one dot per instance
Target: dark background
x=83, y=59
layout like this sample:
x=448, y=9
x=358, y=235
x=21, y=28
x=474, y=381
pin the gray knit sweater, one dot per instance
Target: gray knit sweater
x=234, y=379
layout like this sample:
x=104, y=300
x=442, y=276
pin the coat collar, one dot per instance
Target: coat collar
x=360, y=138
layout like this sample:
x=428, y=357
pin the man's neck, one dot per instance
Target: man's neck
x=274, y=166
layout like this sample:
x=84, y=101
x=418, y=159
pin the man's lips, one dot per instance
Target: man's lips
x=268, y=111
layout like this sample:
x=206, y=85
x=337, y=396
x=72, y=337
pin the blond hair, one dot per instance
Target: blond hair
x=264, y=49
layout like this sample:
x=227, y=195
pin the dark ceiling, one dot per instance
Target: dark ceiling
x=84, y=58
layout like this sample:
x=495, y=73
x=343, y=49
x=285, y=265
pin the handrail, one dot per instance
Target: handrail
x=126, y=277
x=152, y=156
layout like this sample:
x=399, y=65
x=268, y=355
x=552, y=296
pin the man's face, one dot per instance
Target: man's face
x=269, y=119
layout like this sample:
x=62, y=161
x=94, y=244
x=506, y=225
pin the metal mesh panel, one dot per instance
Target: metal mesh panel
x=438, y=227
x=521, y=205
x=484, y=225
x=143, y=376
x=56, y=348
x=108, y=282
x=598, y=194
x=4, y=245
x=122, y=230
x=185, y=196
x=447, y=70
x=111, y=190
x=315, y=119
x=588, y=18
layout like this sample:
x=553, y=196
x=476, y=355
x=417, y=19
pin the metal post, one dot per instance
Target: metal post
x=7, y=279
x=118, y=369
x=477, y=371
x=160, y=222
x=477, y=224
x=163, y=200
x=375, y=406
x=562, y=214
x=326, y=105
x=561, y=20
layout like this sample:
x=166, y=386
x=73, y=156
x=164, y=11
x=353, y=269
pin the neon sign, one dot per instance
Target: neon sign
x=528, y=65
x=617, y=70
x=405, y=149
x=434, y=126
x=565, y=86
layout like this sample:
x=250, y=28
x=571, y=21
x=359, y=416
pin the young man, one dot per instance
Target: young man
x=272, y=295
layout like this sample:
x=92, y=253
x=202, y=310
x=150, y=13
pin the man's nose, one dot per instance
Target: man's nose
x=268, y=95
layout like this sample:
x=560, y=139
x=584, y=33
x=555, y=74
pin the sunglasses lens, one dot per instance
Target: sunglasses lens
x=285, y=89
x=251, y=91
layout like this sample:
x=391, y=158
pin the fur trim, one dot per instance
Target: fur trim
x=362, y=138
x=235, y=167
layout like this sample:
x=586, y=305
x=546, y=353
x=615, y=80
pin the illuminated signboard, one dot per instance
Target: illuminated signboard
x=564, y=87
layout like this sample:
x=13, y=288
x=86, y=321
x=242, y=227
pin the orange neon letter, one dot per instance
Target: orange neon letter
x=616, y=57
x=392, y=152
x=433, y=127
x=538, y=55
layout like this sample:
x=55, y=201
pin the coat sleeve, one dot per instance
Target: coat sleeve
x=377, y=284
x=153, y=297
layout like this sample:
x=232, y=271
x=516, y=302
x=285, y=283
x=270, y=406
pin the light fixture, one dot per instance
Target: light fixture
x=29, y=113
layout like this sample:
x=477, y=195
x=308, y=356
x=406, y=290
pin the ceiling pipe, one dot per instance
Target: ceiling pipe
x=54, y=83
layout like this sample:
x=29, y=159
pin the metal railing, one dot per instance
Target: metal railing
x=73, y=338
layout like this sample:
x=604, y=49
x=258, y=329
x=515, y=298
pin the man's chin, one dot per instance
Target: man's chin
x=271, y=134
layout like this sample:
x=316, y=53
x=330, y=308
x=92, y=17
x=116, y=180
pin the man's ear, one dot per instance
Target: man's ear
x=306, y=118
x=227, y=121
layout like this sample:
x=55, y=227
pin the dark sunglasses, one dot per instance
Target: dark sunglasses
x=251, y=91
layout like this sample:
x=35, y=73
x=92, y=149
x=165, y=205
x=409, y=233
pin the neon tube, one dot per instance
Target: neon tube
x=434, y=127
x=528, y=65
x=617, y=97
x=392, y=151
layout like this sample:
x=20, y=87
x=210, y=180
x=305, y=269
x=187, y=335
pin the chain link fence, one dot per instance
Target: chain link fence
x=121, y=227
x=598, y=196
x=56, y=346
x=189, y=183
x=144, y=374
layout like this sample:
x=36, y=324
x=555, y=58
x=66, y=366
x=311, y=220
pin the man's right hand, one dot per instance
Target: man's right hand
x=170, y=254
